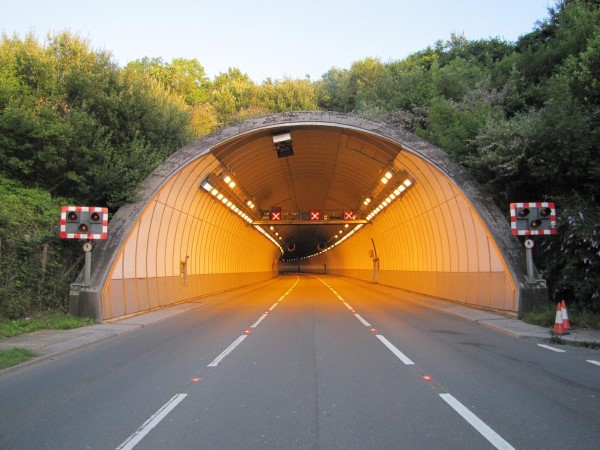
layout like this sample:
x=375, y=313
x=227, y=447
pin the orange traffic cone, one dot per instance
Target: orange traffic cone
x=565, y=315
x=558, y=322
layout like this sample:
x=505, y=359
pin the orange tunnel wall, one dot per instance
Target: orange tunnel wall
x=429, y=241
x=185, y=225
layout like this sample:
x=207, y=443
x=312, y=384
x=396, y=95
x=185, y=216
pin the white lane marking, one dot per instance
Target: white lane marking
x=401, y=356
x=273, y=306
x=493, y=437
x=591, y=361
x=348, y=306
x=228, y=350
x=154, y=420
x=363, y=321
x=260, y=319
x=554, y=349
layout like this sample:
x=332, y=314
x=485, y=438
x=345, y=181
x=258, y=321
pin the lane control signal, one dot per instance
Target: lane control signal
x=83, y=222
x=533, y=218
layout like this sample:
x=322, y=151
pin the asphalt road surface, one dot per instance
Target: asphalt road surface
x=307, y=362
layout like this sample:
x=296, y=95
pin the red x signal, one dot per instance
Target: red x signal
x=275, y=215
x=348, y=214
x=315, y=215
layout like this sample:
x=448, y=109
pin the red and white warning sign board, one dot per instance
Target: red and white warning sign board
x=533, y=218
x=83, y=222
x=315, y=215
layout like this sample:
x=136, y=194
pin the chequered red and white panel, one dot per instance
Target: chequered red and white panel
x=513, y=218
x=63, y=222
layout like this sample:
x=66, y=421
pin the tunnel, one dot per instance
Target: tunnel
x=315, y=192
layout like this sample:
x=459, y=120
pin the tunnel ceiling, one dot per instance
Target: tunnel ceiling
x=331, y=170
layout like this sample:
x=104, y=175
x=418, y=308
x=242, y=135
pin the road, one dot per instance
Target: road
x=307, y=362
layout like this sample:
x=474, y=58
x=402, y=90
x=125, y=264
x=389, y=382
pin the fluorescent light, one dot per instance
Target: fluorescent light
x=207, y=187
x=388, y=175
x=284, y=137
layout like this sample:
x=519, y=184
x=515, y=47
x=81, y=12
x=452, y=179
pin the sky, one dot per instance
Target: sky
x=270, y=38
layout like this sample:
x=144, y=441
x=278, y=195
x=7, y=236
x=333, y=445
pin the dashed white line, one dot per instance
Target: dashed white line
x=363, y=321
x=154, y=420
x=493, y=437
x=554, y=349
x=401, y=356
x=228, y=350
x=591, y=361
x=348, y=306
x=273, y=306
x=260, y=319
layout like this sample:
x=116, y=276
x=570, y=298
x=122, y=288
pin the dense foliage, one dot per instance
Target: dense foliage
x=522, y=117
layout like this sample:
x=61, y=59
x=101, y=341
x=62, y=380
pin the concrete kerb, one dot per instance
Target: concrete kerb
x=49, y=344
x=502, y=324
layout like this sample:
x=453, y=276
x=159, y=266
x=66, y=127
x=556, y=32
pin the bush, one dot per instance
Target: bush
x=35, y=265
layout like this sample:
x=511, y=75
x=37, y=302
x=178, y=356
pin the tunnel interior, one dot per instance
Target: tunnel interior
x=310, y=191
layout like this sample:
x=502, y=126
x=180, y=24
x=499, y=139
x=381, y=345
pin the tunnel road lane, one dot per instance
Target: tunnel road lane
x=307, y=362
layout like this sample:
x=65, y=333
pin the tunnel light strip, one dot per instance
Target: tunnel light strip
x=268, y=236
x=208, y=187
x=350, y=233
x=396, y=193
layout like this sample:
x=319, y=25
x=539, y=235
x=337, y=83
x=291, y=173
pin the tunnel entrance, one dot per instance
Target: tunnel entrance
x=308, y=191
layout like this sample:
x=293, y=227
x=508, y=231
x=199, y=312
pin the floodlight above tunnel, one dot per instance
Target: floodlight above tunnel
x=283, y=145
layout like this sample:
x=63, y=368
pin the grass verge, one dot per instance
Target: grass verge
x=13, y=356
x=54, y=321
x=578, y=319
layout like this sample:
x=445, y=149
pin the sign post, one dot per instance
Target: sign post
x=84, y=222
x=532, y=219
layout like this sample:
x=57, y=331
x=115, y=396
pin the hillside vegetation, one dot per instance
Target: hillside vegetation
x=522, y=116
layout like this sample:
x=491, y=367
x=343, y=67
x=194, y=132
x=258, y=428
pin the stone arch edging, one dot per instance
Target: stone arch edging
x=87, y=300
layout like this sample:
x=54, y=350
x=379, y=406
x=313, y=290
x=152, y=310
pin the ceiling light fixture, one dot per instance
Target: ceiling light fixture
x=283, y=145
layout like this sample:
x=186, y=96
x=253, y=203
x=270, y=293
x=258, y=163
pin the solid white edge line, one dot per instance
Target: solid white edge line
x=228, y=350
x=554, y=349
x=363, y=321
x=401, y=356
x=260, y=319
x=591, y=361
x=493, y=437
x=149, y=424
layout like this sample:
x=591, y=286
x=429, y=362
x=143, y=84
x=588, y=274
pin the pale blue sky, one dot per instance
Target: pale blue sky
x=271, y=38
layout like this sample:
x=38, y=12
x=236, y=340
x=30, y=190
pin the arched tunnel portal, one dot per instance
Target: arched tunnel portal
x=307, y=191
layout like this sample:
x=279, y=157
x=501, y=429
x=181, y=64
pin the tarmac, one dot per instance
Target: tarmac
x=49, y=344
